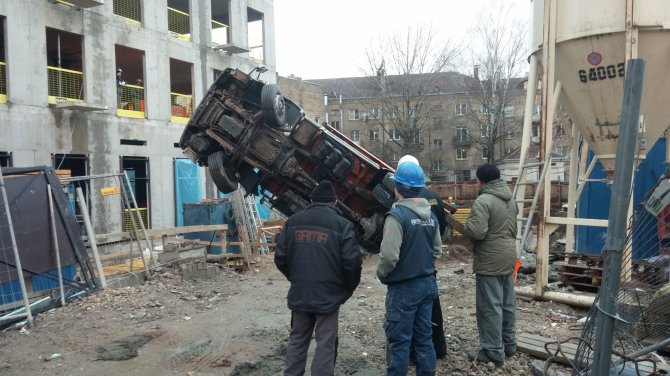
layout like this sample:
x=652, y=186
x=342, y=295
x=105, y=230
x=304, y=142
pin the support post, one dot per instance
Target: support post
x=54, y=238
x=618, y=221
x=91, y=237
x=133, y=229
x=572, y=190
x=142, y=225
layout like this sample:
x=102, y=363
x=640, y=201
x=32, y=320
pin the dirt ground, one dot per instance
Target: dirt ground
x=237, y=324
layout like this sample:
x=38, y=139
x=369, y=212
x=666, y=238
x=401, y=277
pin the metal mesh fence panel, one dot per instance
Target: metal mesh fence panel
x=643, y=301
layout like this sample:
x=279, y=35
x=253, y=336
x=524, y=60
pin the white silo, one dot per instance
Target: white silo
x=579, y=51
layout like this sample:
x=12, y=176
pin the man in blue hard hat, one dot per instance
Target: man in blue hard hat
x=410, y=245
x=437, y=320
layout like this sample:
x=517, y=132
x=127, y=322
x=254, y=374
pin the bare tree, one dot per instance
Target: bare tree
x=497, y=54
x=404, y=72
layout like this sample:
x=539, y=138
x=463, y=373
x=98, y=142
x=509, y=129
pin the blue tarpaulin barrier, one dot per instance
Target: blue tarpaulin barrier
x=187, y=186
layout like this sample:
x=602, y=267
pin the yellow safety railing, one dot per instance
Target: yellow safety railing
x=129, y=9
x=130, y=101
x=256, y=53
x=3, y=82
x=219, y=33
x=65, y=84
x=128, y=222
x=179, y=23
x=64, y=2
x=181, y=107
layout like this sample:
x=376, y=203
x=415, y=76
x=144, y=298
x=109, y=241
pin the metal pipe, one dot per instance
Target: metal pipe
x=91, y=237
x=87, y=177
x=54, y=238
x=572, y=189
x=585, y=301
x=19, y=270
x=616, y=231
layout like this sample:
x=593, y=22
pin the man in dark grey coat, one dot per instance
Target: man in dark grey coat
x=318, y=253
x=492, y=226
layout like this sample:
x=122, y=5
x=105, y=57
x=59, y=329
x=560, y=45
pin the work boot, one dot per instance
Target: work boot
x=427, y=373
x=482, y=357
x=510, y=352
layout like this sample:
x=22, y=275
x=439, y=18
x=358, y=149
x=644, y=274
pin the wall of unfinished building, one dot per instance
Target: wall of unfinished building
x=32, y=130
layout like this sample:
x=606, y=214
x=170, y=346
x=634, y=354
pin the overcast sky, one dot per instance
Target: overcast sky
x=327, y=39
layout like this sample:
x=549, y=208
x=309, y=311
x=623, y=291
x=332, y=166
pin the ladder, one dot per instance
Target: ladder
x=247, y=219
x=523, y=230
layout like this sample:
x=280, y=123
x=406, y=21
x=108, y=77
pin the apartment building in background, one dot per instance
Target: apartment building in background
x=450, y=144
x=101, y=87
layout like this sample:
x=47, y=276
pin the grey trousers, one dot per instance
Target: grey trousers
x=325, y=329
x=496, y=314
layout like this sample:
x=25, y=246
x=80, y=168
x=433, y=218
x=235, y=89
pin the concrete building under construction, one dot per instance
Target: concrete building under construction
x=101, y=87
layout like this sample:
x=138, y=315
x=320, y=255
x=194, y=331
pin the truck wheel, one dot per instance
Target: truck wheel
x=273, y=106
x=222, y=172
x=382, y=194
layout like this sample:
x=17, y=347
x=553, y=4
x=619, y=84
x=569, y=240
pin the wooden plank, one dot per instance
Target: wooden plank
x=532, y=344
x=158, y=232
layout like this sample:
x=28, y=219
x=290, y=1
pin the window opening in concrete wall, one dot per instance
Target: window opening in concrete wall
x=131, y=10
x=179, y=19
x=181, y=90
x=3, y=65
x=129, y=72
x=220, y=22
x=65, y=66
x=137, y=169
x=255, y=35
x=71, y=165
x=5, y=159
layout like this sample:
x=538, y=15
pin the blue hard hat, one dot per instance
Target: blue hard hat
x=119, y=69
x=410, y=175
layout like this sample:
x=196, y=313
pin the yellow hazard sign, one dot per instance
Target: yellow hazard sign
x=108, y=191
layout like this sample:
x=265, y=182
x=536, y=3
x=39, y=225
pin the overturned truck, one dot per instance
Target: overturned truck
x=246, y=132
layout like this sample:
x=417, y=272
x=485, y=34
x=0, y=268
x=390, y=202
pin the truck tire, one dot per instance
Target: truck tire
x=383, y=195
x=273, y=106
x=222, y=172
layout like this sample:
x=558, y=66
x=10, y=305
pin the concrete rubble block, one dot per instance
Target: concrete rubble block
x=169, y=256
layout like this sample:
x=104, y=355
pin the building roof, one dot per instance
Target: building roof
x=366, y=87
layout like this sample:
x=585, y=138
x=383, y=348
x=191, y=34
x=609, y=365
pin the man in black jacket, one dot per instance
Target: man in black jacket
x=318, y=253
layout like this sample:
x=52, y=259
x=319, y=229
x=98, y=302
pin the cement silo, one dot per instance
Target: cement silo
x=593, y=41
x=579, y=51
